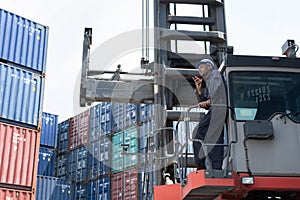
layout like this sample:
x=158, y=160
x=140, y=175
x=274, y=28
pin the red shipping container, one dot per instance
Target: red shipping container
x=79, y=129
x=124, y=185
x=6, y=194
x=18, y=155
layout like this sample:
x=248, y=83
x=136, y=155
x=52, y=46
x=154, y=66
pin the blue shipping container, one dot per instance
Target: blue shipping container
x=146, y=139
x=46, y=164
x=146, y=112
x=124, y=115
x=49, y=130
x=100, y=121
x=99, y=189
x=52, y=188
x=99, y=158
x=23, y=41
x=62, y=166
x=77, y=166
x=63, y=136
x=21, y=96
x=80, y=191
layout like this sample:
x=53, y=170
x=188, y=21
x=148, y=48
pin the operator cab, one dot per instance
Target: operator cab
x=264, y=120
x=261, y=87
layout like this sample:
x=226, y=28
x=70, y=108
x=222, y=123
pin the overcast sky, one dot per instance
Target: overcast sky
x=256, y=27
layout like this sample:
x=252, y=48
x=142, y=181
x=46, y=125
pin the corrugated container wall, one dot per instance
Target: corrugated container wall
x=99, y=158
x=62, y=166
x=49, y=130
x=21, y=96
x=124, y=185
x=99, y=189
x=80, y=191
x=6, y=194
x=124, y=115
x=77, y=166
x=79, y=129
x=63, y=136
x=46, y=164
x=146, y=112
x=17, y=155
x=146, y=140
x=23, y=41
x=121, y=160
x=100, y=121
x=51, y=188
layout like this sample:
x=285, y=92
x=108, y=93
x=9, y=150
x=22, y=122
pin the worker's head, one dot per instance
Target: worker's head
x=205, y=66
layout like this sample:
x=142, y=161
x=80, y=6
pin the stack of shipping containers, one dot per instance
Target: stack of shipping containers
x=99, y=162
x=98, y=150
x=23, y=49
x=47, y=153
x=50, y=187
x=124, y=178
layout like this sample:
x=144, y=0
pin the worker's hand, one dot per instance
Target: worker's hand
x=204, y=104
x=198, y=83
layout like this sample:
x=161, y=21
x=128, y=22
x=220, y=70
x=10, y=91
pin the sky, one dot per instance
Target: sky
x=254, y=27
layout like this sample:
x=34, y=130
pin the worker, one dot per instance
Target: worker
x=212, y=97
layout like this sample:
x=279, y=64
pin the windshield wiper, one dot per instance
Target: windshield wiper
x=290, y=114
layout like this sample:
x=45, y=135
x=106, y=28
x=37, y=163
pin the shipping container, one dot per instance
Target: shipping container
x=46, y=163
x=146, y=140
x=18, y=155
x=52, y=188
x=23, y=42
x=99, y=158
x=8, y=194
x=99, y=189
x=21, y=96
x=118, y=112
x=49, y=130
x=100, y=121
x=62, y=165
x=63, y=136
x=124, y=142
x=79, y=129
x=77, y=166
x=80, y=191
x=124, y=115
x=146, y=112
x=124, y=185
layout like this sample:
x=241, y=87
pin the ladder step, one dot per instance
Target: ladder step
x=207, y=2
x=191, y=20
x=212, y=36
x=192, y=57
x=185, y=60
x=181, y=64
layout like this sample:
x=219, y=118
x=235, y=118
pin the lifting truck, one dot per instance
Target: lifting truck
x=262, y=128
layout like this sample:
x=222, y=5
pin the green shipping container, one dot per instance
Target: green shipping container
x=125, y=141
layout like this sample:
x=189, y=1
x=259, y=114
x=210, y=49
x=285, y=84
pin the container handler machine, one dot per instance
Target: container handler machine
x=261, y=159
